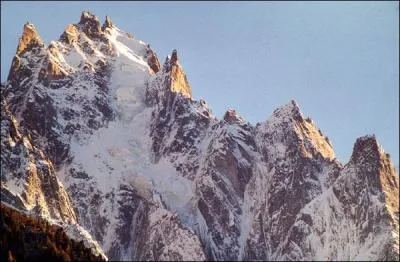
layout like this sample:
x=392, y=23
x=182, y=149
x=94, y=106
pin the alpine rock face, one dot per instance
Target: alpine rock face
x=100, y=138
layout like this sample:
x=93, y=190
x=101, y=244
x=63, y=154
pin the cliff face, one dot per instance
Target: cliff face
x=28, y=179
x=100, y=136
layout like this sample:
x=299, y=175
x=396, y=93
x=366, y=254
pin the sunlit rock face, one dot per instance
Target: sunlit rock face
x=101, y=138
x=28, y=177
x=70, y=35
x=28, y=39
x=176, y=78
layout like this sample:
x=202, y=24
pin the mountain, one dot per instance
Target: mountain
x=102, y=139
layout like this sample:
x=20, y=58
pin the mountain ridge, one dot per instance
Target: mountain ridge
x=127, y=139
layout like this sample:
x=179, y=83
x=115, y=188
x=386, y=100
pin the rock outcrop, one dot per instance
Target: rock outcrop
x=178, y=80
x=30, y=38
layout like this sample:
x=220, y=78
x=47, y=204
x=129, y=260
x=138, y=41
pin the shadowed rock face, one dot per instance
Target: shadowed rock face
x=152, y=60
x=373, y=167
x=107, y=24
x=351, y=211
x=40, y=241
x=153, y=175
x=231, y=117
x=90, y=24
x=25, y=167
x=368, y=190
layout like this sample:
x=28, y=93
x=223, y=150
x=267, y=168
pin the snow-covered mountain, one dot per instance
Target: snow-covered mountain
x=101, y=138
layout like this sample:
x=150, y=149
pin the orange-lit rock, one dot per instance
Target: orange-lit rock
x=152, y=60
x=70, y=34
x=179, y=82
x=28, y=39
x=107, y=24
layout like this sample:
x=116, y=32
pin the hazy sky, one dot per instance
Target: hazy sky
x=338, y=60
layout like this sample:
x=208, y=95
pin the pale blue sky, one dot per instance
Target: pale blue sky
x=338, y=60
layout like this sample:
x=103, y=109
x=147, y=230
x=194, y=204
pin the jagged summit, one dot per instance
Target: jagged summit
x=178, y=80
x=88, y=17
x=366, y=150
x=152, y=59
x=288, y=112
x=170, y=78
x=30, y=38
x=70, y=34
x=298, y=130
x=107, y=23
x=30, y=41
x=369, y=156
x=231, y=117
x=90, y=24
x=171, y=60
x=174, y=57
x=95, y=131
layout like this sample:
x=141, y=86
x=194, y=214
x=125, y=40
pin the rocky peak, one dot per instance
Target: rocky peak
x=90, y=24
x=107, y=24
x=174, y=57
x=29, y=41
x=369, y=176
x=232, y=117
x=70, y=34
x=178, y=80
x=87, y=17
x=366, y=150
x=29, y=38
x=374, y=164
x=171, y=60
x=298, y=131
x=152, y=59
x=288, y=112
x=368, y=187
